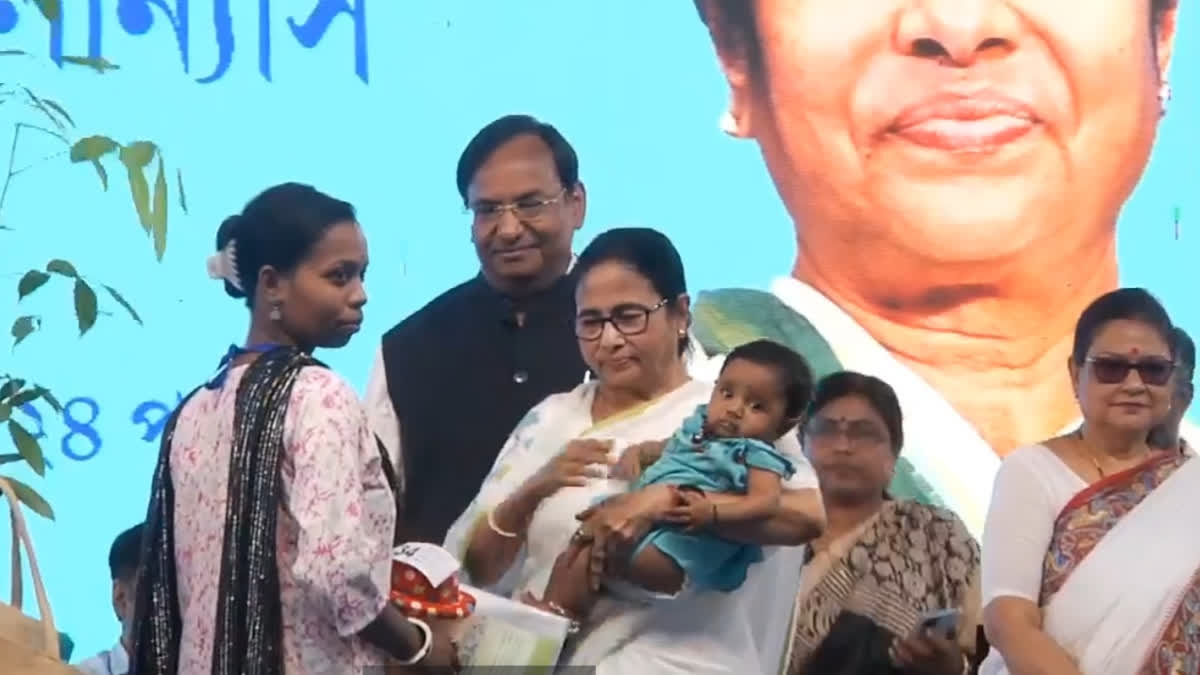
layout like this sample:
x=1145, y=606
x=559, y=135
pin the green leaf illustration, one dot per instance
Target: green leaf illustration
x=58, y=109
x=28, y=447
x=729, y=317
x=10, y=457
x=51, y=9
x=92, y=148
x=139, y=190
x=138, y=155
x=33, y=280
x=29, y=497
x=182, y=194
x=22, y=397
x=100, y=64
x=10, y=388
x=85, y=306
x=23, y=327
x=50, y=399
x=158, y=212
x=124, y=303
x=40, y=105
x=62, y=267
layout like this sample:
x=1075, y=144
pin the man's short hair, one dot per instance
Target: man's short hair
x=126, y=553
x=498, y=132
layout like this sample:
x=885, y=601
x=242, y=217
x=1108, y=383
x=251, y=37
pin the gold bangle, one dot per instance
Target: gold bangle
x=491, y=522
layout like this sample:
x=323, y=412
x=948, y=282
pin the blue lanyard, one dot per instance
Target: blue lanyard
x=235, y=351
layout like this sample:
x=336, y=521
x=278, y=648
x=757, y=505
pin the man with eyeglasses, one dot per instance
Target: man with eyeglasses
x=453, y=379
x=1166, y=435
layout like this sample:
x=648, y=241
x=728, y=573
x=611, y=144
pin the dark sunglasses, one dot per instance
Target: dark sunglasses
x=1154, y=371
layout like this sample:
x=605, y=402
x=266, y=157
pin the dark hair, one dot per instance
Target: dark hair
x=126, y=553
x=646, y=251
x=279, y=228
x=793, y=371
x=1185, y=353
x=497, y=133
x=878, y=394
x=1129, y=304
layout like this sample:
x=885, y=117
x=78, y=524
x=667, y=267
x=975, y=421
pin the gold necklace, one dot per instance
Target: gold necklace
x=1091, y=456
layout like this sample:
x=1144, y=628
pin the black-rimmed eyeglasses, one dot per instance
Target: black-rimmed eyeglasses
x=627, y=319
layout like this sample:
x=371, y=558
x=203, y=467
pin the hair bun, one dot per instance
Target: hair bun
x=228, y=230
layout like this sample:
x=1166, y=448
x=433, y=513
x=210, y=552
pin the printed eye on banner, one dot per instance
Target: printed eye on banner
x=82, y=414
x=138, y=17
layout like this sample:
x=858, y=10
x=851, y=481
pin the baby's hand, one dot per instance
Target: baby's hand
x=695, y=513
x=637, y=457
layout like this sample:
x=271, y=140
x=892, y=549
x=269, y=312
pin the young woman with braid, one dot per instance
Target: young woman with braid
x=271, y=521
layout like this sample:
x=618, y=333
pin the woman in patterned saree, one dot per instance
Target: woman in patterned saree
x=882, y=563
x=269, y=533
x=1092, y=563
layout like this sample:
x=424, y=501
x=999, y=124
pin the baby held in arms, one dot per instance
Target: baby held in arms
x=726, y=446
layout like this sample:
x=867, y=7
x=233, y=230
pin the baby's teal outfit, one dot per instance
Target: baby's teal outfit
x=719, y=465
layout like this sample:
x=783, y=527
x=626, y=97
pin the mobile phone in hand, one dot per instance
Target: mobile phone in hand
x=943, y=622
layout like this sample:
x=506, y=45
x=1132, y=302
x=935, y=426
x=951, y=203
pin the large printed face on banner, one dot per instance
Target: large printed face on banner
x=926, y=191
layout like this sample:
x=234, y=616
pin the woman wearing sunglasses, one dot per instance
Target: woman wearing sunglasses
x=1091, y=561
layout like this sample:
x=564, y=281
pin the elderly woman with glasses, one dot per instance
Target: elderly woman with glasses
x=1092, y=561
x=892, y=585
x=632, y=324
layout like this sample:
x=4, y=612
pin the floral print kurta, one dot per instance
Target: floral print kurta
x=337, y=519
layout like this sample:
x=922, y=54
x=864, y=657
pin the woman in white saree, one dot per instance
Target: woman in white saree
x=632, y=319
x=1091, y=563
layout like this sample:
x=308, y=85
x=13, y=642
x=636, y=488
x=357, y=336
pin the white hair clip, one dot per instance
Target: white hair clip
x=223, y=265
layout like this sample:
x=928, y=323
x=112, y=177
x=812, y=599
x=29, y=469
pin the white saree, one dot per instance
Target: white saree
x=705, y=633
x=1126, y=604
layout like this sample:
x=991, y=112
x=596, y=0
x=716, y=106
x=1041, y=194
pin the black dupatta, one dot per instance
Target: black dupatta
x=247, y=636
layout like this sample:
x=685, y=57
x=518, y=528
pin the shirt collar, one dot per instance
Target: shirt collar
x=118, y=660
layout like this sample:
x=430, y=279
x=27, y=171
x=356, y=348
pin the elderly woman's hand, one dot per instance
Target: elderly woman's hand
x=615, y=526
x=582, y=459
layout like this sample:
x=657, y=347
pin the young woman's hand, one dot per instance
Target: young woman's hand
x=443, y=653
